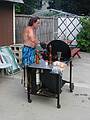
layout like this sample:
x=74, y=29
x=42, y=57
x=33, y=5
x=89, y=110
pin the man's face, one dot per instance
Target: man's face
x=36, y=25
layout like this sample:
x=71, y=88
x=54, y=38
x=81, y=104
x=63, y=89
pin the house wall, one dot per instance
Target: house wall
x=6, y=23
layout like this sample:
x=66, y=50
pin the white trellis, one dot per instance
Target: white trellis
x=68, y=27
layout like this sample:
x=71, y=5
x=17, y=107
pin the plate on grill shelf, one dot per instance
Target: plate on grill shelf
x=58, y=66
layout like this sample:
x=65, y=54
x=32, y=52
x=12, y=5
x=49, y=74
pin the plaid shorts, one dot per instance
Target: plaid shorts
x=28, y=55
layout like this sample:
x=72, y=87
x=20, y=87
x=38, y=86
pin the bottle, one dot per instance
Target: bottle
x=50, y=55
x=46, y=55
x=46, y=62
x=37, y=57
x=37, y=77
x=59, y=56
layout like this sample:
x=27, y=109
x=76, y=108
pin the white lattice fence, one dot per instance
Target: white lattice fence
x=68, y=27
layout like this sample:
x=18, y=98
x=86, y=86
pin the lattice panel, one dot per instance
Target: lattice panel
x=68, y=27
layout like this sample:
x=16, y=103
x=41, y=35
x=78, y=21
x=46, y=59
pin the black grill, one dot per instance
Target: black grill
x=60, y=46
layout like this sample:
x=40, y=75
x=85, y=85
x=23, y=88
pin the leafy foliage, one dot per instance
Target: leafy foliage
x=28, y=7
x=79, y=7
x=83, y=37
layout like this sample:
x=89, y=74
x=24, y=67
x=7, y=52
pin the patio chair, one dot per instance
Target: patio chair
x=10, y=58
x=74, y=49
x=5, y=61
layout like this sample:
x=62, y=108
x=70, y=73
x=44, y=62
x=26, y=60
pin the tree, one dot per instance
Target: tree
x=54, y=4
x=28, y=7
x=83, y=36
x=79, y=7
x=51, y=4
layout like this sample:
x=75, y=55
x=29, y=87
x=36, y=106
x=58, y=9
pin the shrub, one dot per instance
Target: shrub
x=83, y=38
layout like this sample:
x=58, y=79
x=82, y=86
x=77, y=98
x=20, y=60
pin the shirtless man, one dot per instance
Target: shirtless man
x=30, y=41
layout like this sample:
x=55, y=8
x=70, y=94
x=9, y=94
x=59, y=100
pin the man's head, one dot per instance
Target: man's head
x=34, y=21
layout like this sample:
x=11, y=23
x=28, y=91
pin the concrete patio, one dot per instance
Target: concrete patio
x=74, y=106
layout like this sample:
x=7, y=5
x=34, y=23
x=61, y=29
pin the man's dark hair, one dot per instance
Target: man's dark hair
x=33, y=20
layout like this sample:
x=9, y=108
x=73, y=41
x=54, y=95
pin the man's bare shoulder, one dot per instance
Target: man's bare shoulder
x=28, y=29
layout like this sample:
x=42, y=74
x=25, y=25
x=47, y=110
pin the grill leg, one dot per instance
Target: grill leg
x=71, y=84
x=58, y=92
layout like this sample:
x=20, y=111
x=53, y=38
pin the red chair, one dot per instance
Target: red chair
x=74, y=49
